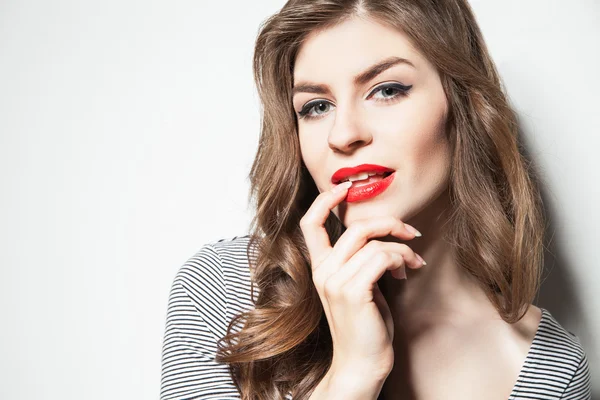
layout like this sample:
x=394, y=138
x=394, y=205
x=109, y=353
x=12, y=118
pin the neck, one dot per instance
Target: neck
x=440, y=291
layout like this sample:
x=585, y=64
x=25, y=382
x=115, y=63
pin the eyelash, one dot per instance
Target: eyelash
x=402, y=91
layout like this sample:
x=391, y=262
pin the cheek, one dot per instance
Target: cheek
x=422, y=143
x=312, y=158
x=430, y=155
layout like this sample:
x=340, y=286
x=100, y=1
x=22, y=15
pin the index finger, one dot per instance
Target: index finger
x=313, y=222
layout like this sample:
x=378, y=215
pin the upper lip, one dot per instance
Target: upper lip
x=346, y=172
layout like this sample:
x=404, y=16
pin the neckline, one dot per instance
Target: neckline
x=529, y=355
x=541, y=325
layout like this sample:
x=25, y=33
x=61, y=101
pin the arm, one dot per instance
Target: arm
x=195, y=319
x=344, y=387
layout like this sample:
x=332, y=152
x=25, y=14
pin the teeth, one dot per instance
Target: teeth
x=360, y=176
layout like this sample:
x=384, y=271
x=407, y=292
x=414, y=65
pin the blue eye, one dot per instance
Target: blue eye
x=313, y=105
x=393, y=92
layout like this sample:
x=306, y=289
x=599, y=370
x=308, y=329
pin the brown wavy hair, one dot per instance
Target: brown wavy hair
x=496, y=221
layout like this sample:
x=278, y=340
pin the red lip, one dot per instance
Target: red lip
x=345, y=172
x=365, y=192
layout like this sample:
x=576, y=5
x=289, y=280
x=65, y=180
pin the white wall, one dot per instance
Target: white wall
x=127, y=129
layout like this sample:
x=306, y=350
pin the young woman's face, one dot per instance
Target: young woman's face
x=394, y=118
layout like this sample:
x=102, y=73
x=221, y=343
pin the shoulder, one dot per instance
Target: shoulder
x=551, y=335
x=558, y=352
x=538, y=326
x=233, y=253
x=215, y=261
x=217, y=278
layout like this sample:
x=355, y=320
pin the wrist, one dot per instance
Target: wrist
x=353, y=384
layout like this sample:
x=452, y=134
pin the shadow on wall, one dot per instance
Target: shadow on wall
x=558, y=293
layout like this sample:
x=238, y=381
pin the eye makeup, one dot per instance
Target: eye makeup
x=398, y=90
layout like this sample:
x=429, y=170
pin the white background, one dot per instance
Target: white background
x=127, y=130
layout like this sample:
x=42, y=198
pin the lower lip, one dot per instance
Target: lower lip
x=365, y=192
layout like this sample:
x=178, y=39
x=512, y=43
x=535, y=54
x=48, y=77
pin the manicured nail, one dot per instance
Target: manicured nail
x=400, y=274
x=413, y=230
x=341, y=186
x=421, y=259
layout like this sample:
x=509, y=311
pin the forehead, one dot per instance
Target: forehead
x=349, y=47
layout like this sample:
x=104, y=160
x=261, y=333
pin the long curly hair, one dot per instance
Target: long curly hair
x=496, y=221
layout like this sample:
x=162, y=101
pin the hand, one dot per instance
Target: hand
x=346, y=276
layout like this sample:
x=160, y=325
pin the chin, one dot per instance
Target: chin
x=348, y=213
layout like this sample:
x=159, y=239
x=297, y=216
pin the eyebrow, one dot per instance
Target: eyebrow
x=360, y=79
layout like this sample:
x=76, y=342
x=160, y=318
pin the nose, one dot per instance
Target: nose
x=348, y=133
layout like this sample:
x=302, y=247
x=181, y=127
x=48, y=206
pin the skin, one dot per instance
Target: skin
x=446, y=329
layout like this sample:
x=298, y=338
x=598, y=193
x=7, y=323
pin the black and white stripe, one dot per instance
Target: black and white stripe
x=556, y=366
x=214, y=285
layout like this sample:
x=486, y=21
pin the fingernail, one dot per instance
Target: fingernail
x=421, y=259
x=413, y=230
x=399, y=274
x=341, y=186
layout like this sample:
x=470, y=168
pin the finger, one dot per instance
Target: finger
x=357, y=235
x=312, y=223
x=368, y=276
x=363, y=257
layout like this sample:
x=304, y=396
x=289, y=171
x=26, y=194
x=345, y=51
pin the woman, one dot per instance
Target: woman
x=401, y=99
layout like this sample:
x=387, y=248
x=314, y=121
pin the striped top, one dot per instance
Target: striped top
x=214, y=285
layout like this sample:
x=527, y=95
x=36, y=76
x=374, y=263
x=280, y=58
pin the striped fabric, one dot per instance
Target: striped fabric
x=214, y=285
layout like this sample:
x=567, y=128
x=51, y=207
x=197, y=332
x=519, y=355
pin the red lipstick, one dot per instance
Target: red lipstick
x=365, y=189
x=364, y=192
x=346, y=172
